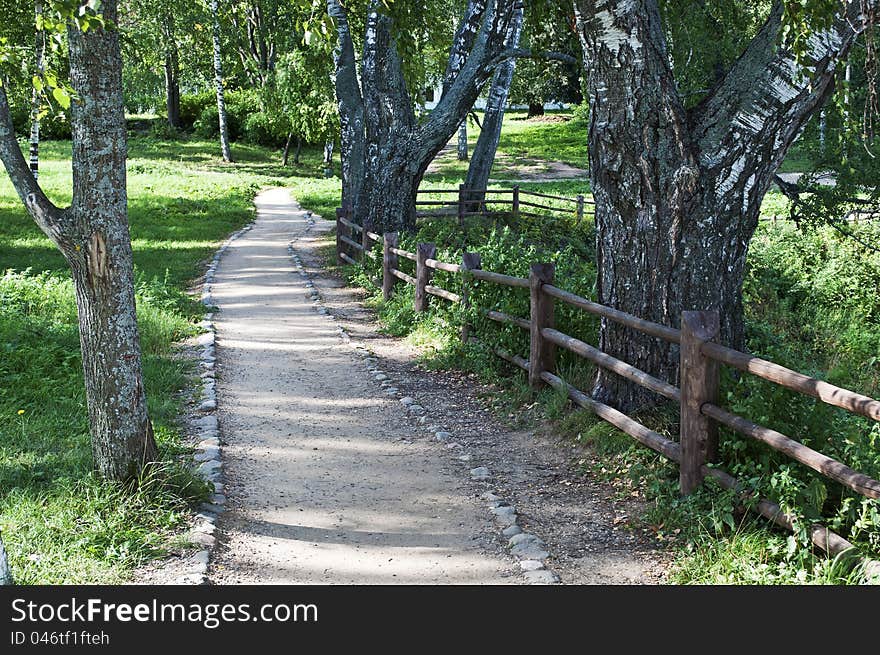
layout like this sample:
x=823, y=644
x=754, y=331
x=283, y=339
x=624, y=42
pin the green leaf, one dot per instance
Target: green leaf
x=61, y=97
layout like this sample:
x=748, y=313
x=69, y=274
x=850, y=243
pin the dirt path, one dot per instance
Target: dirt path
x=323, y=485
x=330, y=480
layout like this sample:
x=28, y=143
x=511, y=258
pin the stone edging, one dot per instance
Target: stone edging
x=528, y=548
x=207, y=460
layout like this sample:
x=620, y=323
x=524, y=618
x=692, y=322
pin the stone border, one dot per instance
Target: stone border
x=527, y=548
x=207, y=459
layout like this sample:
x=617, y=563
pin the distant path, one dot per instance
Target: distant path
x=321, y=487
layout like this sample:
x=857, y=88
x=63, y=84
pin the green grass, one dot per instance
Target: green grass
x=60, y=523
x=525, y=145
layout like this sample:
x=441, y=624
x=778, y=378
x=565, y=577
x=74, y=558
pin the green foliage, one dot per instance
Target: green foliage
x=301, y=96
x=240, y=104
x=537, y=81
x=811, y=304
x=703, y=45
x=192, y=105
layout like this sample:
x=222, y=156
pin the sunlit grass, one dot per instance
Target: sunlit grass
x=60, y=523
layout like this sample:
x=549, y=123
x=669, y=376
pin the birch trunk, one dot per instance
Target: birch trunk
x=487, y=143
x=94, y=238
x=39, y=51
x=172, y=71
x=218, y=81
x=285, y=154
x=678, y=193
x=462, y=141
x=5, y=573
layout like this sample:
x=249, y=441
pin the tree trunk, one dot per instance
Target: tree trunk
x=286, y=152
x=535, y=109
x=5, y=573
x=328, y=158
x=396, y=149
x=93, y=236
x=462, y=141
x=487, y=143
x=218, y=80
x=678, y=194
x=39, y=51
x=349, y=96
x=172, y=71
x=101, y=257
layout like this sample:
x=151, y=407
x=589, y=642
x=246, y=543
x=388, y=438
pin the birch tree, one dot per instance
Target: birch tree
x=385, y=150
x=218, y=82
x=678, y=190
x=39, y=57
x=93, y=236
x=487, y=143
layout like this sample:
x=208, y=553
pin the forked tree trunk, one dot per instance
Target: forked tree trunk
x=487, y=143
x=172, y=71
x=396, y=150
x=218, y=81
x=678, y=193
x=94, y=238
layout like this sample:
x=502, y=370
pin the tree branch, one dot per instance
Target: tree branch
x=463, y=43
x=476, y=70
x=793, y=193
x=48, y=217
x=766, y=97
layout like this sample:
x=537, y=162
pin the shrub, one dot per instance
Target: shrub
x=192, y=105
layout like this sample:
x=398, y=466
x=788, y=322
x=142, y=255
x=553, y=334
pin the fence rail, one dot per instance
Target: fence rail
x=697, y=398
x=477, y=202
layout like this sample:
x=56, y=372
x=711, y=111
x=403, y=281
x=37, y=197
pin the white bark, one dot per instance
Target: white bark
x=39, y=51
x=218, y=81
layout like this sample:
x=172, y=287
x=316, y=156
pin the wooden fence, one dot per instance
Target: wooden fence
x=515, y=202
x=701, y=357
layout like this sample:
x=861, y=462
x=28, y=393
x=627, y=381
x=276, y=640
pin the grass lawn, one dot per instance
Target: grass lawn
x=59, y=522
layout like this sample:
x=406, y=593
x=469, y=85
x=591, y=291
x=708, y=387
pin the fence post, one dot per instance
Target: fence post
x=469, y=262
x=515, y=208
x=699, y=385
x=389, y=261
x=542, y=353
x=340, y=213
x=461, y=204
x=580, y=209
x=423, y=275
x=366, y=242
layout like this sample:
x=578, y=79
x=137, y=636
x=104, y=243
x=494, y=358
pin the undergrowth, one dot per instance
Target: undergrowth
x=811, y=305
